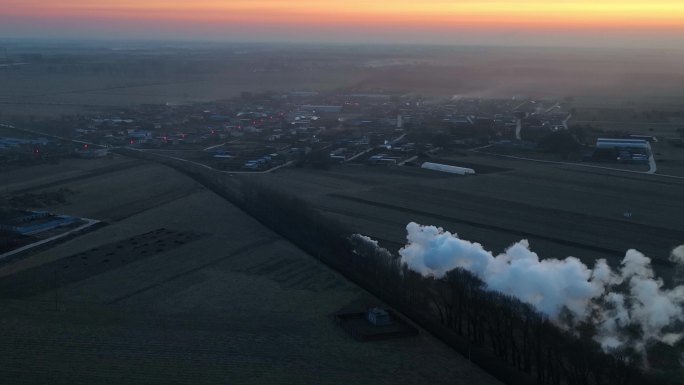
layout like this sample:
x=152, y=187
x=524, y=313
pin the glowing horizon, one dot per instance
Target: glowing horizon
x=299, y=17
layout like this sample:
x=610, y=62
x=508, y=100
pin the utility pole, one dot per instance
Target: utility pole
x=56, y=292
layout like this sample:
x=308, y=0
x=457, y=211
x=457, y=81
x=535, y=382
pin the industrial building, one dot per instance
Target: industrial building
x=32, y=222
x=622, y=150
x=14, y=143
x=448, y=168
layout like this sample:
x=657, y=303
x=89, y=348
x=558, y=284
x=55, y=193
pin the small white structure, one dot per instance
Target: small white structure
x=378, y=317
x=448, y=168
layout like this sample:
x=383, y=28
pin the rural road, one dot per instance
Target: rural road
x=49, y=135
x=137, y=149
x=362, y=153
x=651, y=171
x=211, y=168
x=89, y=222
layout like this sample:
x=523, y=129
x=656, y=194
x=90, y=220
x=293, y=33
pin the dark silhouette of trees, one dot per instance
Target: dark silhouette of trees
x=562, y=142
x=504, y=336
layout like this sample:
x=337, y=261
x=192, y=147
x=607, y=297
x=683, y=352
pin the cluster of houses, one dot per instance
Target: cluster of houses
x=346, y=124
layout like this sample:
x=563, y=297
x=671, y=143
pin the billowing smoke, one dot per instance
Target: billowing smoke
x=678, y=255
x=365, y=246
x=617, y=302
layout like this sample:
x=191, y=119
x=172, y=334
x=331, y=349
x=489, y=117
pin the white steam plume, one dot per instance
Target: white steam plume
x=677, y=255
x=612, y=300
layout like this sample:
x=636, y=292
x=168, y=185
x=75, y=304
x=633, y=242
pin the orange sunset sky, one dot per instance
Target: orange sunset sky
x=648, y=22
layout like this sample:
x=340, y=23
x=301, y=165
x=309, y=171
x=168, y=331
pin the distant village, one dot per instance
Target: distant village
x=260, y=131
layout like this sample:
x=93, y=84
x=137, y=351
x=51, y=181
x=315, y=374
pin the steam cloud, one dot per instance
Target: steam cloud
x=611, y=300
x=678, y=255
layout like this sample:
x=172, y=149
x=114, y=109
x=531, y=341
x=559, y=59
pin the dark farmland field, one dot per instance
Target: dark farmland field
x=562, y=210
x=182, y=287
x=72, y=79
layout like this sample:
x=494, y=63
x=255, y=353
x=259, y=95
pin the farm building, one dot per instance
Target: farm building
x=16, y=142
x=448, y=168
x=378, y=317
x=32, y=222
x=623, y=150
x=383, y=159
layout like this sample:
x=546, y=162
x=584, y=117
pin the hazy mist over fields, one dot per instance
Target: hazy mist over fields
x=81, y=76
x=341, y=192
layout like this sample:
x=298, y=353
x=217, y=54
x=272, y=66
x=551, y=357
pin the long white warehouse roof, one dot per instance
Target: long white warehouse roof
x=448, y=168
x=630, y=143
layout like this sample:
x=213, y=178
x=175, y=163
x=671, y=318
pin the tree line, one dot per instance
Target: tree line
x=504, y=336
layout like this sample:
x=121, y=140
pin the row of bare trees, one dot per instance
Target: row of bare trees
x=498, y=325
x=499, y=333
x=508, y=335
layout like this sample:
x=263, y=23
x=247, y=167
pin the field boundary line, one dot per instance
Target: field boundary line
x=209, y=167
x=578, y=165
x=90, y=222
x=519, y=233
x=236, y=252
